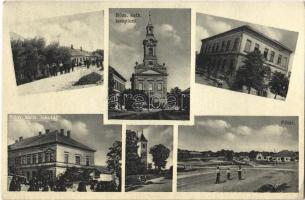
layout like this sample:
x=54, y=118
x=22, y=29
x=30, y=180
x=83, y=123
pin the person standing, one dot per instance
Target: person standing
x=217, y=176
x=228, y=174
x=239, y=172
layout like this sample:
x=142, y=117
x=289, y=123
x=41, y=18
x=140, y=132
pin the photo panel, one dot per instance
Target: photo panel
x=244, y=57
x=63, y=153
x=239, y=154
x=149, y=158
x=149, y=64
x=58, y=51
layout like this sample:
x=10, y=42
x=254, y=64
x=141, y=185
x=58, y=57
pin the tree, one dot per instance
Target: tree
x=113, y=160
x=160, y=153
x=132, y=157
x=279, y=84
x=252, y=73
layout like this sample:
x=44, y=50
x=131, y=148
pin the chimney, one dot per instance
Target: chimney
x=81, y=48
x=39, y=133
x=68, y=134
x=16, y=141
x=20, y=138
x=163, y=64
x=47, y=131
x=62, y=131
x=72, y=46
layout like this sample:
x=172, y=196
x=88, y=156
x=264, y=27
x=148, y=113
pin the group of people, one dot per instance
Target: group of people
x=228, y=172
x=61, y=184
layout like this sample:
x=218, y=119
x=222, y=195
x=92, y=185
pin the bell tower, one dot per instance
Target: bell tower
x=150, y=44
x=142, y=149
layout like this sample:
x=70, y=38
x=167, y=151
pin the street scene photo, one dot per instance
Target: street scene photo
x=239, y=154
x=149, y=159
x=244, y=57
x=56, y=53
x=63, y=153
x=149, y=64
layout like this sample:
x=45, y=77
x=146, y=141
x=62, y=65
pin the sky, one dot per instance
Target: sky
x=156, y=135
x=86, y=129
x=172, y=30
x=209, y=25
x=240, y=133
x=76, y=24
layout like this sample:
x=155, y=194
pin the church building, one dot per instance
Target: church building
x=150, y=76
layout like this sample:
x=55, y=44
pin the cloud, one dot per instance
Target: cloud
x=242, y=130
x=216, y=125
x=230, y=136
x=274, y=130
x=215, y=26
x=23, y=128
x=168, y=32
x=274, y=34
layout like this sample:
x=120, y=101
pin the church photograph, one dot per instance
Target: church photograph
x=149, y=158
x=151, y=49
x=244, y=57
x=63, y=153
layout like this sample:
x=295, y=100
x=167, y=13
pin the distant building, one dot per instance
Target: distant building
x=223, y=54
x=280, y=157
x=79, y=56
x=141, y=142
x=150, y=76
x=117, y=84
x=52, y=151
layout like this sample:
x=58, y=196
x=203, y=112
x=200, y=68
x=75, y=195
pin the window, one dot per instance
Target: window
x=23, y=161
x=279, y=60
x=256, y=48
x=34, y=158
x=66, y=158
x=271, y=56
x=17, y=160
x=150, y=51
x=228, y=45
x=87, y=161
x=140, y=86
x=150, y=86
x=236, y=41
x=77, y=159
x=47, y=157
x=284, y=62
x=223, y=65
x=28, y=159
x=223, y=46
x=248, y=46
x=266, y=53
x=159, y=86
x=40, y=157
x=150, y=62
x=217, y=47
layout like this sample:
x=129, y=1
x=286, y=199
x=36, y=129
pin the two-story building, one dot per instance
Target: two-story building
x=223, y=54
x=54, y=151
x=117, y=84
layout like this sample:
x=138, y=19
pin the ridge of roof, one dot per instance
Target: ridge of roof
x=249, y=28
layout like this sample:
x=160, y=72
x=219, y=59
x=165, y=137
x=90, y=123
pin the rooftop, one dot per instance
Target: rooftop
x=252, y=30
x=54, y=137
x=116, y=73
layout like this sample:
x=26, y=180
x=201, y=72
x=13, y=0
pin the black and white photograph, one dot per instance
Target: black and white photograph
x=58, y=53
x=63, y=153
x=149, y=158
x=149, y=64
x=244, y=57
x=239, y=154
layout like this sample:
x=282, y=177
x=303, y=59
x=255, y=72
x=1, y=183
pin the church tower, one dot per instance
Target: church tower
x=150, y=44
x=142, y=149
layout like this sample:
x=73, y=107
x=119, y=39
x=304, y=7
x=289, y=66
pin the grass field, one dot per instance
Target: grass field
x=203, y=179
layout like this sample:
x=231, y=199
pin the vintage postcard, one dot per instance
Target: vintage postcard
x=244, y=57
x=239, y=154
x=52, y=54
x=63, y=153
x=149, y=158
x=149, y=64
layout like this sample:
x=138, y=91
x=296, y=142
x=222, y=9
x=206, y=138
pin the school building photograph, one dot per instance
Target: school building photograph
x=245, y=57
